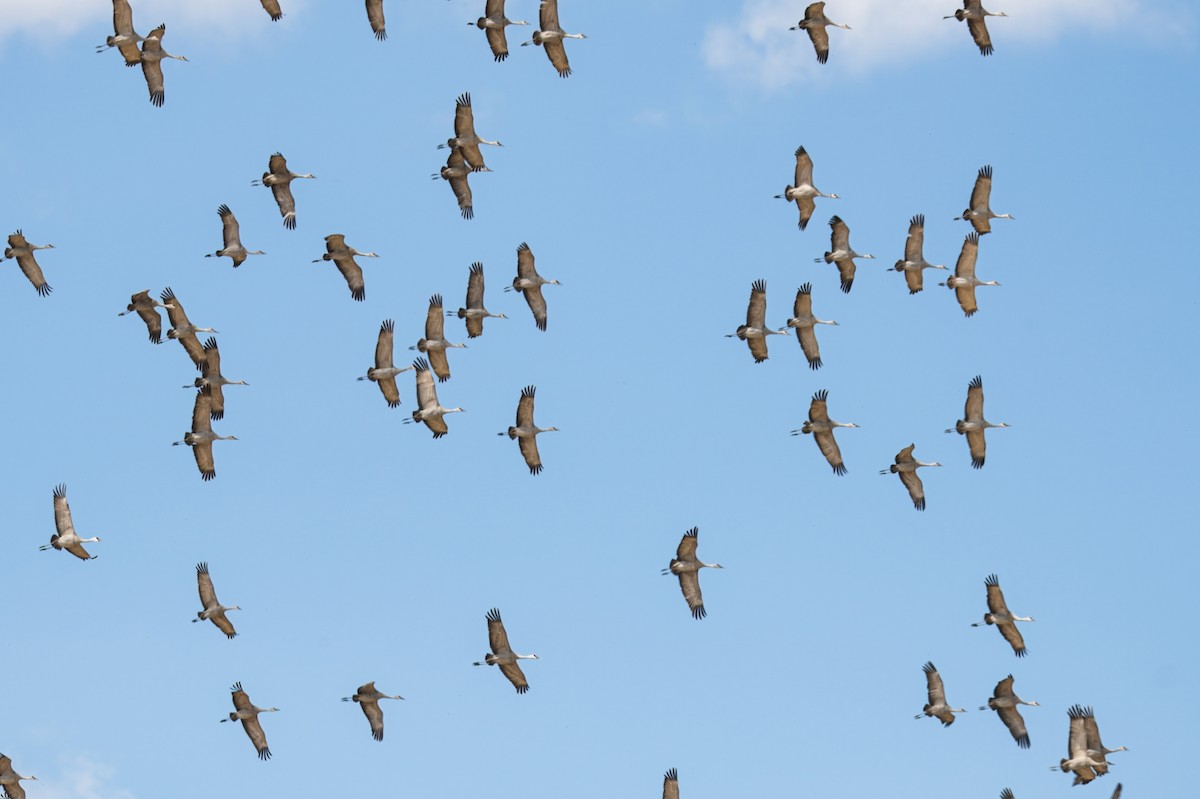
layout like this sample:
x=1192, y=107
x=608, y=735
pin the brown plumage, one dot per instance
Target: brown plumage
x=529, y=283
x=125, y=38
x=368, y=698
x=22, y=251
x=279, y=178
x=384, y=371
x=247, y=713
x=906, y=466
x=671, y=784
x=212, y=382
x=964, y=281
x=805, y=324
x=475, y=313
x=526, y=432
x=841, y=253
x=1005, y=703
x=974, y=13
x=146, y=307
x=232, y=239
x=434, y=345
x=821, y=427
x=973, y=425
x=152, y=56
x=1079, y=760
x=493, y=23
x=201, y=437
x=375, y=17
x=999, y=615
x=551, y=35
x=686, y=566
x=913, y=265
x=429, y=410
x=815, y=23
x=455, y=172
x=755, y=331
x=502, y=654
x=979, y=213
x=272, y=8
x=65, y=536
x=804, y=192
x=343, y=257
x=182, y=329
x=937, y=707
x=465, y=137
x=10, y=780
x=214, y=611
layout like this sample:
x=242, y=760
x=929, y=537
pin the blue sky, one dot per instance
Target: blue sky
x=361, y=549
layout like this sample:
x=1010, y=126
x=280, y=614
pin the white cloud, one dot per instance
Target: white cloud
x=83, y=778
x=50, y=19
x=757, y=46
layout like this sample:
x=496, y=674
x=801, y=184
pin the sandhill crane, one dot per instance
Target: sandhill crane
x=502, y=655
x=821, y=427
x=465, y=137
x=146, y=307
x=213, y=611
x=475, y=313
x=526, y=431
x=973, y=425
x=804, y=192
x=211, y=381
x=429, y=410
x=455, y=171
x=913, y=263
x=384, y=371
x=280, y=178
x=1095, y=747
x=11, y=780
x=980, y=213
x=343, y=257
x=434, y=344
x=841, y=253
x=999, y=615
x=368, y=699
x=66, y=537
x=687, y=566
x=964, y=281
x=551, y=36
x=755, y=331
x=182, y=330
x=493, y=23
x=125, y=38
x=815, y=22
x=22, y=251
x=375, y=17
x=247, y=713
x=671, y=784
x=272, y=8
x=906, y=466
x=201, y=436
x=805, y=323
x=974, y=12
x=152, y=56
x=1005, y=702
x=230, y=231
x=529, y=283
x=1080, y=755
x=937, y=707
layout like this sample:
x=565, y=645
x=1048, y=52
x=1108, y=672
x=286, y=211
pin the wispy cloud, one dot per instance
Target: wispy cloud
x=50, y=19
x=755, y=45
x=81, y=778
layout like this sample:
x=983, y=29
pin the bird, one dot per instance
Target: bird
x=906, y=466
x=937, y=707
x=502, y=655
x=475, y=313
x=1095, y=747
x=213, y=611
x=492, y=24
x=1080, y=754
x=124, y=37
x=1005, y=702
x=435, y=344
x=1006, y=794
x=755, y=331
x=963, y=282
x=821, y=427
x=913, y=264
x=804, y=192
x=375, y=17
x=343, y=258
x=979, y=213
x=152, y=56
x=974, y=12
x=999, y=615
x=815, y=23
x=805, y=324
x=429, y=410
x=1116, y=794
x=384, y=371
x=465, y=137
x=10, y=780
x=529, y=283
x=526, y=431
x=211, y=381
x=842, y=253
x=233, y=241
x=973, y=425
x=201, y=437
x=368, y=699
x=66, y=537
x=671, y=784
x=147, y=308
x=22, y=251
x=272, y=8
x=551, y=36
x=247, y=713
x=687, y=567
x=455, y=171
x=280, y=178
x=182, y=330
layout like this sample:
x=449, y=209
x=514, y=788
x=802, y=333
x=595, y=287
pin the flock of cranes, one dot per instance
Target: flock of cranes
x=1086, y=753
